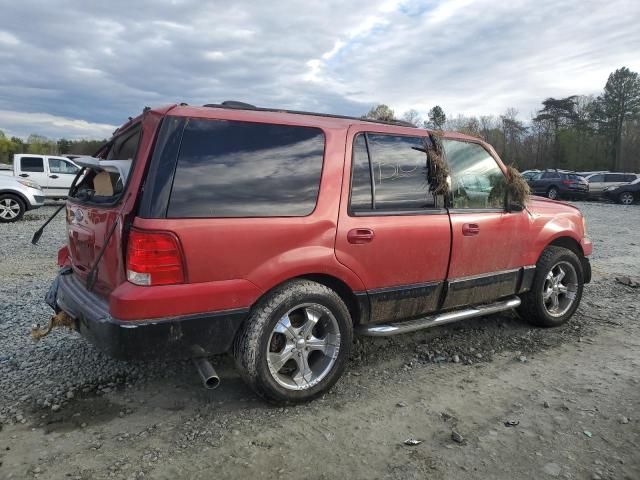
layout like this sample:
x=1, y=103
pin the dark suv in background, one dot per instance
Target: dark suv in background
x=556, y=184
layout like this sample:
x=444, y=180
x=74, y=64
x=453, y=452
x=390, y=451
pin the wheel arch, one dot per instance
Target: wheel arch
x=357, y=305
x=569, y=243
x=19, y=195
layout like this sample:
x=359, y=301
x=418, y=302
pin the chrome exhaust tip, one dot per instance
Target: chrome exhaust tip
x=210, y=378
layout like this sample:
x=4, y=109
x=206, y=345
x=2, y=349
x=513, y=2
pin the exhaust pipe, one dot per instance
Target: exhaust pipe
x=210, y=378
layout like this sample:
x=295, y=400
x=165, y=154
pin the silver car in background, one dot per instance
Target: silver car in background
x=599, y=182
x=17, y=195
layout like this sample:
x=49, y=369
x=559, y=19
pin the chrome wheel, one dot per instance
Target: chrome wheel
x=559, y=289
x=626, y=198
x=552, y=194
x=303, y=346
x=9, y=208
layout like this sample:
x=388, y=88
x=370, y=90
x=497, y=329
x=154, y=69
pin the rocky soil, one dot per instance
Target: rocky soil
x=490, y=398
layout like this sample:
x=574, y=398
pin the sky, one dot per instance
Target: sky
x=77, y=69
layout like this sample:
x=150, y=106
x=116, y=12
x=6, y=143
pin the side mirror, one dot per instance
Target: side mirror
x=511, y=205
x=514, y=207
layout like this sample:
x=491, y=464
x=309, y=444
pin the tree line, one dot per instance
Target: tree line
x=38, y=144
x=579, y=132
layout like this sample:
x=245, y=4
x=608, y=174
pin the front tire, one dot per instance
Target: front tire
x=12, y=208
x=295, y=343
x=556, y=290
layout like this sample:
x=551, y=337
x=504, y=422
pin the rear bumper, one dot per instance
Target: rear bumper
x=211, y=333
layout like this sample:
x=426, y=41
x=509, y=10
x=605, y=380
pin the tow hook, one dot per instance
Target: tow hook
x=60, y=319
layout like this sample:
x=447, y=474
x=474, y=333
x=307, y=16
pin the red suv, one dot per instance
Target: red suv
x=275, y=235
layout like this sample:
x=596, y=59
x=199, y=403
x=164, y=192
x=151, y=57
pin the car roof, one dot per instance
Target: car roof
x=294, y=117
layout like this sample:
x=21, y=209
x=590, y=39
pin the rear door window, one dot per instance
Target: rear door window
x=245, y=169
x=389, y=174
x=551, y=175
x=32, y=164
x=596, y=179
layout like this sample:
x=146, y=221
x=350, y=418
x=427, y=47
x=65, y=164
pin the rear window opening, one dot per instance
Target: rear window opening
x=106, y=176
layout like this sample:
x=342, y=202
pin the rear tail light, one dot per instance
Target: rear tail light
x=567, y=182
x=154, y=258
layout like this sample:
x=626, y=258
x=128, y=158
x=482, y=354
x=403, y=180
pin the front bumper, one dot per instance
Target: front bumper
x=209, y=333
x=35, y=198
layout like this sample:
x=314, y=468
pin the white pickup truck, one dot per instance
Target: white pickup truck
x=53, y=173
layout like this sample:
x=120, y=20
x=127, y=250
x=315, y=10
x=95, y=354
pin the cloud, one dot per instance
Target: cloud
x=21, y=124
x=102, y=62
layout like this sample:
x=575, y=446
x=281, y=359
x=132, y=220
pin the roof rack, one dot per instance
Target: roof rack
x=233, y=104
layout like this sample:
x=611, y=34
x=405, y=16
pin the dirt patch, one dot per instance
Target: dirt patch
x=489, y=398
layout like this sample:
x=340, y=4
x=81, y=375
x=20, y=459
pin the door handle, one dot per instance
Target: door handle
x=470, y=229
x=53, y=176
x=24, y=174
x=358, y=236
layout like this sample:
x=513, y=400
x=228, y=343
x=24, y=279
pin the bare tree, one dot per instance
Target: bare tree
x=380, y=112
x=412, y=116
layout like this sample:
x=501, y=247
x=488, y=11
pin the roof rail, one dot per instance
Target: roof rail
x=233, y=104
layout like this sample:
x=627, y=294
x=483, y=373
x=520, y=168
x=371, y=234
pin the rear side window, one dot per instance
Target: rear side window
x=550, y=175
x=32, y=164
x=614, y=177
x=596, y=178
x=244, y=169
x=629, y=178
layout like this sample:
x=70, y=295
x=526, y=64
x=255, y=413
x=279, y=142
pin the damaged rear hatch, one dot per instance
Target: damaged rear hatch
x=98, y=208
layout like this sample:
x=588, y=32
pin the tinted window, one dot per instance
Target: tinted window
x=550, y=175
x=361, y=198
x=614, y=177
x=476, y=178
x=399, y=172
x=242, y=169
x=629, y=178
x=61, y=166
x=32, y=164
x=125, y=146
x=596, y=179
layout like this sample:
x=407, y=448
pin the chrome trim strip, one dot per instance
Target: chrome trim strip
x=483, y=275
x=387, y=330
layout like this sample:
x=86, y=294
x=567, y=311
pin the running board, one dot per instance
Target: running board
x=397, y=328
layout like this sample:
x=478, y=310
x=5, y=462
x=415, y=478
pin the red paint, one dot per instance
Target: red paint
x=229, y=263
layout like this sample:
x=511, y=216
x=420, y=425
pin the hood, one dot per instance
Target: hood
x=545, y=205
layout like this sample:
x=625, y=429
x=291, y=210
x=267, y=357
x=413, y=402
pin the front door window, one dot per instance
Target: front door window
x=477, y=182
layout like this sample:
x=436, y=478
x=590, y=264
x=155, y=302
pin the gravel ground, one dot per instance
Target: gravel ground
x=110, y=419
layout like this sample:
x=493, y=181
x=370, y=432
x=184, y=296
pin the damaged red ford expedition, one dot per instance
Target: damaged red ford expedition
x=276, y=235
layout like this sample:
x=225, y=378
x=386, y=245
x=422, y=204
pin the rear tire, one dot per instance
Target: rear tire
x=296, y=342
x=553, y=193
x=12, y=208
x=626, y=198
x=556, y=290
